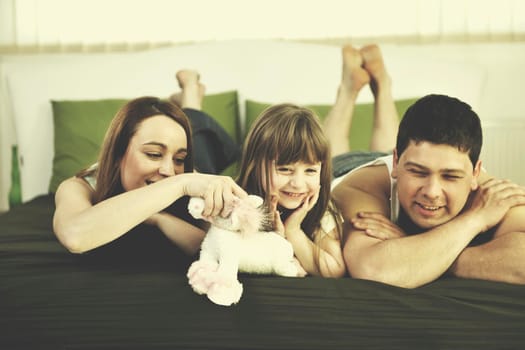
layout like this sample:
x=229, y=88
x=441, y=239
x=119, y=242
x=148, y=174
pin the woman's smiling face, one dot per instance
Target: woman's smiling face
x=156, y=150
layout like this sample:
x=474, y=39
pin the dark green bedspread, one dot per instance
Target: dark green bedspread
x=134, y=295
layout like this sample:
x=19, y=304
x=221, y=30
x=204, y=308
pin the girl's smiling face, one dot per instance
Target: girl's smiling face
x=294, y=182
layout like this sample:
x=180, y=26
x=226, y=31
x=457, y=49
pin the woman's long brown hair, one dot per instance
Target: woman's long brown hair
x=120, y=131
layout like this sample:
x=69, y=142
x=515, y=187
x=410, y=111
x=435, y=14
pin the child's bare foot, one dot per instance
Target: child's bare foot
x=374, y=65
x=354, y=76
x=192, y=92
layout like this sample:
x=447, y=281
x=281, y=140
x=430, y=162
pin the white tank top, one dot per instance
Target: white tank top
x=394, y=200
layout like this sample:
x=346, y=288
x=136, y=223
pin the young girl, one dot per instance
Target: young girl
x=287, y=160
x=145, y=166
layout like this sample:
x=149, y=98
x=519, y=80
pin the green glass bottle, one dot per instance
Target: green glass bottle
x=15, y=192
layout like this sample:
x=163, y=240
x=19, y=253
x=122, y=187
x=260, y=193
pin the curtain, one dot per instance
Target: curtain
x=107, y=24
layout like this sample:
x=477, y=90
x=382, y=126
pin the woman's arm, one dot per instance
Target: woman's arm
x=81, y=226
x=185, y=235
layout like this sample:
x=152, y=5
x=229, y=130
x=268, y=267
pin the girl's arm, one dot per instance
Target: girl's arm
x=323, y=256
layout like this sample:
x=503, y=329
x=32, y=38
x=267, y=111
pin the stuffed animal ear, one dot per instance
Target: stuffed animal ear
x=255, y=201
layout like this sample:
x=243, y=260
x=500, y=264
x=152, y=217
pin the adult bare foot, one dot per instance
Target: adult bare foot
x=373, y=63
x=192, y=90
x=386, y=120
x=354, y=76
x=338, y=121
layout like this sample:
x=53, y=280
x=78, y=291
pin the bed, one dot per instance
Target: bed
x=136, y=298
x=133, y=293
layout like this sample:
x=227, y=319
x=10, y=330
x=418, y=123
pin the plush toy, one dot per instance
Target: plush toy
x=237, y=244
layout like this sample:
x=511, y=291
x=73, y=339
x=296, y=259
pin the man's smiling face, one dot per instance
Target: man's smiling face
x=433, y=182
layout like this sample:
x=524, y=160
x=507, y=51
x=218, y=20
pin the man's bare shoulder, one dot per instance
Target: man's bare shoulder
x=366, y=189
x=372, y=179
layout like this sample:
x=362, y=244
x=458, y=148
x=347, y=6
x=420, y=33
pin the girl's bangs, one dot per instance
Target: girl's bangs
x=301, y=149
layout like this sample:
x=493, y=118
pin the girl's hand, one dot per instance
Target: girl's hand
x=377, y=225
x=277, y=222
x=296, y=218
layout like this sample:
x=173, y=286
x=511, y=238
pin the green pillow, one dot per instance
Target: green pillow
x=361, y=129
x=224, y=108
x=80, y=127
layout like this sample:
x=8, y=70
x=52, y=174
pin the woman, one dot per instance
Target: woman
x=145, y=165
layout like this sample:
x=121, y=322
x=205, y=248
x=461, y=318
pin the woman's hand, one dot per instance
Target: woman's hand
x=219, y=192
x=377, y=225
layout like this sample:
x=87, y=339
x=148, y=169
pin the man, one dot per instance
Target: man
x=430, y=209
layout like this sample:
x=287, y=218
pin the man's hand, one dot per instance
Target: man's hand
x=493, y=199
x=377, y=225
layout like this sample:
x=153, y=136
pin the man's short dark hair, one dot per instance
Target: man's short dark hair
x=442, y=120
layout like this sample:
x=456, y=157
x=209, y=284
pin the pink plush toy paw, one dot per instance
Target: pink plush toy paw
x=225, y=291
x=236, y=243
x=201, y=275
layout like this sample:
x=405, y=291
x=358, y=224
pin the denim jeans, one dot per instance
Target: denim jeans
x=345, y=162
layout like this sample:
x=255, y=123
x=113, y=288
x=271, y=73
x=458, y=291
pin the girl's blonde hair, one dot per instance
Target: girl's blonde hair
x=285, y=134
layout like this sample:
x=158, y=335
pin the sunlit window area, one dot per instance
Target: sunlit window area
x=120, y=24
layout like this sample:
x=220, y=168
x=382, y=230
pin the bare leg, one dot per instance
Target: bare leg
x=386, y=119
x=192, y=90
x=338, y=121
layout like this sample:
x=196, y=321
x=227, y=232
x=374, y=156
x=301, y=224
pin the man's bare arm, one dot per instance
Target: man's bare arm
x=501, y=259
x=410, y=261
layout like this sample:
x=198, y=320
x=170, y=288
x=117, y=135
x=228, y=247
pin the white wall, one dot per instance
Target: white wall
x=61, y=23
x=36, y=26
